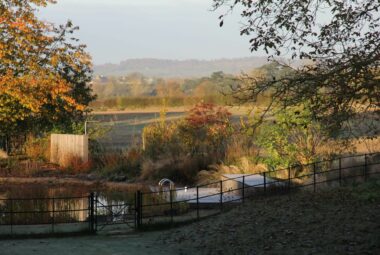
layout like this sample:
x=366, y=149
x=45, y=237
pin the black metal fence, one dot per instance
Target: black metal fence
x=113, y=213
x=58, y=215
x=43, y=216
x=63, y=215
x=189, y=204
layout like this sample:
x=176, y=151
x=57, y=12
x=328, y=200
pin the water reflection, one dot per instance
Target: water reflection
x=38, y=204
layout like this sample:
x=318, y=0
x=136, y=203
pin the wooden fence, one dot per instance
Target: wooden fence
x=66, y=149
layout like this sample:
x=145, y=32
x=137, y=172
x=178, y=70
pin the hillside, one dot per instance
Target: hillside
x=339, y=221
x=165, y=68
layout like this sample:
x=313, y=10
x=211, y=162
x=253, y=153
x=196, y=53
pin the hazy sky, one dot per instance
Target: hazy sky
x=115, y=30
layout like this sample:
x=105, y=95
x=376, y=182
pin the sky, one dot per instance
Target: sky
x=116, y=30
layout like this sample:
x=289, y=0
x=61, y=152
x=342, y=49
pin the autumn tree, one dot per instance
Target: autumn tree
x=169, y=88
x=43, y=71
x=340, y=41
x=207, y=129
x=205, y=88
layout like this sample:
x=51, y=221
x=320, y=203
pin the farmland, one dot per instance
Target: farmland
x=124, y=129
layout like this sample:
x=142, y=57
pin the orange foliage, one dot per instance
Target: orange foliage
x=207, y=114
x=31, y=56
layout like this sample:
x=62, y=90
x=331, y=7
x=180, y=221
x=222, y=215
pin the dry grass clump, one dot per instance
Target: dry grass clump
x=3, y=154
x=363, y=145
x=240, y=149
x=342, y=147
x=20, y=167
x=74, y=164
x=183, y=169
x=118, y=165
x=215, y=172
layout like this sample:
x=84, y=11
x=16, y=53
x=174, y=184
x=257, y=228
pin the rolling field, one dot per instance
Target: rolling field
x=124, y=129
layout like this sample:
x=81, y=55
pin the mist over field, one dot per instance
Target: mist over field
x=180, y=68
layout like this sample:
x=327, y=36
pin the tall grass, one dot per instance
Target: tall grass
x=118, y=165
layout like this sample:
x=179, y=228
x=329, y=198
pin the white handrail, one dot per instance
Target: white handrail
x=166, y=180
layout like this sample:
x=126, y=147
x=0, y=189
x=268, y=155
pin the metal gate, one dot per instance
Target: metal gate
x=112, y=213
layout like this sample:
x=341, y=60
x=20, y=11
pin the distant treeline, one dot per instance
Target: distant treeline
x=138, y=91
x=121, y=103
x=165, y=68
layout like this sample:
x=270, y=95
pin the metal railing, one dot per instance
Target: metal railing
x=46, y=216
x=57, y=215
x=168, y=207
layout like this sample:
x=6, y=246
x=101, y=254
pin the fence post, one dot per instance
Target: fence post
x=141, y=209
x=11, y=216
x=96, y=211
x=138, y=209
x=221, y=195
x=197, y=202
x=89, y=211
x=365, y=167
x=340, y=171
x=265, y=183
x=52, y=226
x=289, y=179
x=243, y=193
x=171, y=206
x=314, y=177
x=92, y=222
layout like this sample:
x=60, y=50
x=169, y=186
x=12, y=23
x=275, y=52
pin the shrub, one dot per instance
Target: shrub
x=178, y=150
x=295, y=138
x=38, y=148
x=163, y=138
x=117, y=165
x=206, y=130
x=183, y=170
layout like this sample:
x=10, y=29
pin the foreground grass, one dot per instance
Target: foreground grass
x=340, y=221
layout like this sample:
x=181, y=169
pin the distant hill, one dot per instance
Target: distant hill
x=179, y=68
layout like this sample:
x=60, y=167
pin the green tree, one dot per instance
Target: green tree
x=44, y=72
x=339, y=38
x=291, y=138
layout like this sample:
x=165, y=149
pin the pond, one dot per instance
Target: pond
x=29, y=191
x=25, y=204
x=31, y=204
